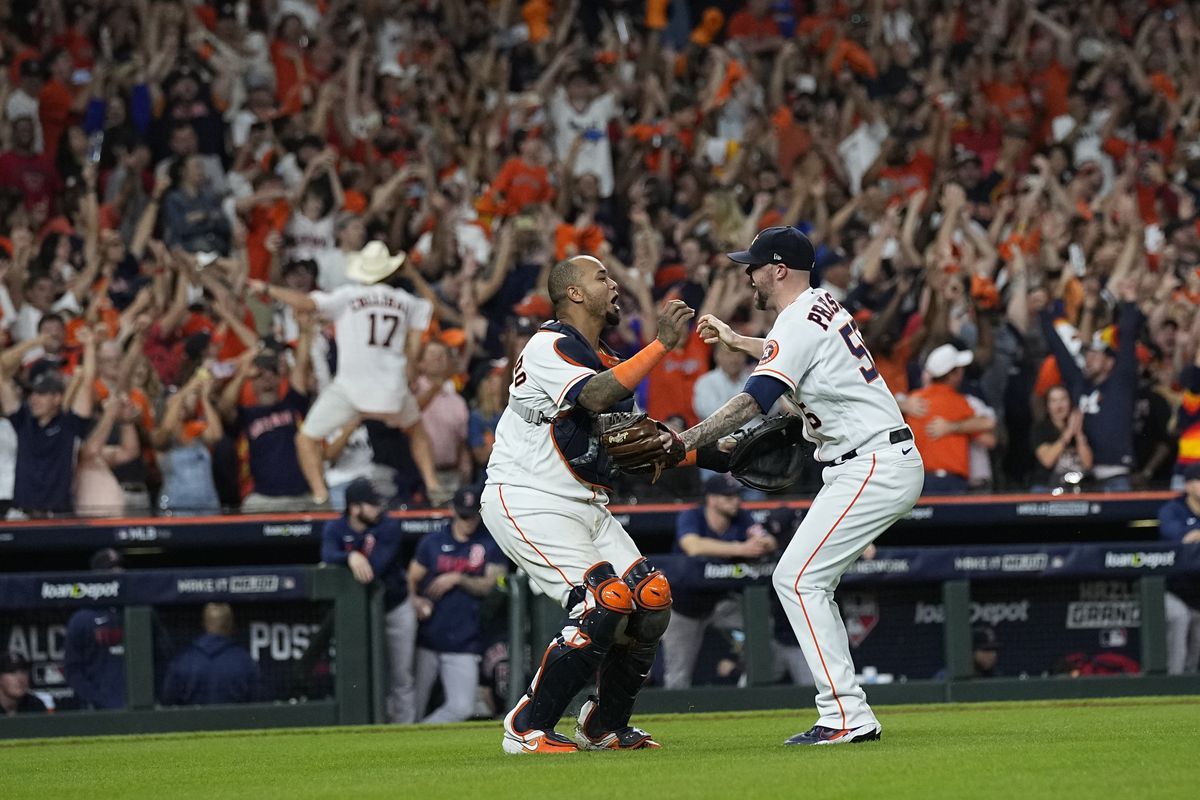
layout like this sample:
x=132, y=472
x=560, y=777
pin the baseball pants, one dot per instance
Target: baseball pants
x=860, y=500
x=400, y=626
x=554, y=540
x=684, y=636
x=790, y=662
x=460, y=684
x=1183, y=635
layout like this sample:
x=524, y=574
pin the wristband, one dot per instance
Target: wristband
x=632, y=372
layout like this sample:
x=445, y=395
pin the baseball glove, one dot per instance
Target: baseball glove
x=635, y=443
x=769, y=455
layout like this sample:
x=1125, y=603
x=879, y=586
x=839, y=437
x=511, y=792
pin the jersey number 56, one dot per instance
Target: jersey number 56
x=859, y=350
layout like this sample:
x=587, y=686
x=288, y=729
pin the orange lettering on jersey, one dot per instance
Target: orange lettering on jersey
x=770, y=350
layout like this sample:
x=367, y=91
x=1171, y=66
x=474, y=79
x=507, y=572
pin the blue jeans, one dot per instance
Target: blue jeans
x=188, y=486
x=1117, y=483
x=944, y=484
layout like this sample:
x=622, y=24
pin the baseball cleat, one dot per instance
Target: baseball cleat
x=537, y=743
x=532, y=741
x=819, y=734
x=628, y=738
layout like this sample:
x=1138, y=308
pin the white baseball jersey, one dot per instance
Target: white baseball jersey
x=372, y=325
x=815, y=348
x=525, y=454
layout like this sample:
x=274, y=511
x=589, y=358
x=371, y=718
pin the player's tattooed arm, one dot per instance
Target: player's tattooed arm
x=724, y=421
x=601, y=391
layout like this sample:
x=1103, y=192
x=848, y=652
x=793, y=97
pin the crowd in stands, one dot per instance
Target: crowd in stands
x=1004, y=194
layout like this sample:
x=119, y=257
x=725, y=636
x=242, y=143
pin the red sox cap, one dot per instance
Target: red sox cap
x=781, y=244
x=466, y=502
x=361, y=490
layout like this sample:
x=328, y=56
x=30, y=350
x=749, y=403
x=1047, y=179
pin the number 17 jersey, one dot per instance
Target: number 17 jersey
x=372, y=324
x=816, y=349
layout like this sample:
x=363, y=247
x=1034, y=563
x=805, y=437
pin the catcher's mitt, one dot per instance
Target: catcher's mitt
x=635, y=444
x=768, y=456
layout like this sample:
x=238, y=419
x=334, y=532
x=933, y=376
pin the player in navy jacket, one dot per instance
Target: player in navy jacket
x=94, y=661
x=453, y=569
x=718, y=529
x=215, y=668
x=1179, y=522
x=95, y=657
x=367, y=542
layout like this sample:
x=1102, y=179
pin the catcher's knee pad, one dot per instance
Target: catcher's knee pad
x=574, y=656
x=626, y=666
x=607, y=603
x=652, y=594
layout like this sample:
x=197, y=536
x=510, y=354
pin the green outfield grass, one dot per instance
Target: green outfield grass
x=1144, y=748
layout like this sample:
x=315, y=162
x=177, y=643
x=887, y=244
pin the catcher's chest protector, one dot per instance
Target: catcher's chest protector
x=576, y=433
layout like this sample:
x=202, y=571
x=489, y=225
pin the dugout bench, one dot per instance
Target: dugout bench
x=344, y=614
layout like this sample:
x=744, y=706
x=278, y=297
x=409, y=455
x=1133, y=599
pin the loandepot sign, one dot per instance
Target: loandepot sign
x=80, y=591
x=1139, y=560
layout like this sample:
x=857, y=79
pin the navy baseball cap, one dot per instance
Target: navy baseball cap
x=984, y=638
x=781, y=244
x=361, y=490
x=47, y=383
x=106, y=560
x=723, y=485
x=466, y=502
x=13, y=662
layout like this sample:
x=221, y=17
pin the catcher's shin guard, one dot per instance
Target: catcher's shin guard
x=623, y=671
x=573, y=657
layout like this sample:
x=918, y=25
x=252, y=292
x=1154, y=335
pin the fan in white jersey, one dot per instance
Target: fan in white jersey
x=873, y=473
x=378, y=332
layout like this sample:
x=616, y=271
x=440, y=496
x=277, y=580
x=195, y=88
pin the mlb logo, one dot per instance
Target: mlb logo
x=860, y=612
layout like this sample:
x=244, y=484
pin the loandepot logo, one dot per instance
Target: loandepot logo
x=737, y=571
x=80, y=591
x=1139, y=560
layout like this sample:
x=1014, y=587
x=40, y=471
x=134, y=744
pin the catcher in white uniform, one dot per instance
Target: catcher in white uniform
x=873, y=473
x=545, y=504
x=378, y=331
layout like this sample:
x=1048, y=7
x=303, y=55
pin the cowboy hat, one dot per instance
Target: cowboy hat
x=373, y=263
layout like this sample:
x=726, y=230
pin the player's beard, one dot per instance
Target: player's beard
x=760, y=299
x=610, y=312
x=370, y=522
